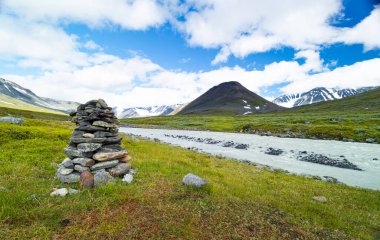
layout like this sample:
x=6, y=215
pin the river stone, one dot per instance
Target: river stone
x=102, y=177
x=85, y=162
x=86, y=180
x=67, y=163
x=120, y=169
x=81, y=169
x=88, y=140
x=128, y=178
x=104, y=124
x=65, y=171
x=88, y=135
x=322, y=199
x=194, y=180
x=109, y=156
x=103, y=165
x=370, y=140
x=70, y=178
x=88, y=147
x=75, y=153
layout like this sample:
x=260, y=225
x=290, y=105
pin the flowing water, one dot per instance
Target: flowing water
x=355, y=164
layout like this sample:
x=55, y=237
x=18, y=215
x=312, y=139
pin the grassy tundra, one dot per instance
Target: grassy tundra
x=241, y=201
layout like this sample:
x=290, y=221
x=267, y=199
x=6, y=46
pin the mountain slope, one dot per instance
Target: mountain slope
x=14, y=96
x=150, y=111
x=315, y=95
x=369, y=100
x=229, y=98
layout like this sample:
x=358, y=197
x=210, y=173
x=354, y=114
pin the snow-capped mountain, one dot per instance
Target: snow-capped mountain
x=315, y=95
x=136, y=112
x=12, y=90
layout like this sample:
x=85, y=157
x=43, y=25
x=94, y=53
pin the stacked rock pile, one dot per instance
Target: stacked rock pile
x=94, y=153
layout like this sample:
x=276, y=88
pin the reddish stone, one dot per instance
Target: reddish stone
x=86, y=180
x=126, y=159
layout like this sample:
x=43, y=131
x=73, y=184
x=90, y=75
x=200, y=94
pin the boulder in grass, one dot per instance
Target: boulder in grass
x=11, y=120
x=128, y=178
x=193, y=180
x=321, y=199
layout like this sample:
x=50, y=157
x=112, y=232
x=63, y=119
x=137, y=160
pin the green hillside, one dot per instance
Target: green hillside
x=8, y=102
x=366, y=101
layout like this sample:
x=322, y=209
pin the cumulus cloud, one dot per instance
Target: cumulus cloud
x=137, y=14
x=138, y=81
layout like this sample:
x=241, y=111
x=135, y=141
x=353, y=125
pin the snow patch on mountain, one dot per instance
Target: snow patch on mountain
x=136, y=112
x=317, y=95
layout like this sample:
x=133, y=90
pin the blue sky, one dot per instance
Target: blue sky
x=147, y=52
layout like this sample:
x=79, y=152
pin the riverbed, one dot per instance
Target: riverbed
x=352, y=163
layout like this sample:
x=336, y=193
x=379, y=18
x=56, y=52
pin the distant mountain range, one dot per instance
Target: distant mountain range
x=13, y=95
x=316, y=95
x=229, y=98
x=164, y=110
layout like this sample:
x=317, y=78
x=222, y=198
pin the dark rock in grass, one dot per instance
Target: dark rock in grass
x=324, y=160
x=193, y=180
x=102, y=177
x=70, y=178
x=330, y=179
x=89, y=147
x=64, y=222
x=374, y=159
x=273, y=151
x=104, y=165
x=86, y=180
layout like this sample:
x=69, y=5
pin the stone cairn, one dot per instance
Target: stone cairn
x=94, y=153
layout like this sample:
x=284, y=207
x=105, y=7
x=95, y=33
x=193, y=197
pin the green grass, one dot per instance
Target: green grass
x=241, y=201
x=33, y=114
x=357, y=125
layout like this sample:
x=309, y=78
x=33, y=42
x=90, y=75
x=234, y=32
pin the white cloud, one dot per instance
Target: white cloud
x=366, y=32
x=137, y=15
x=140, y=82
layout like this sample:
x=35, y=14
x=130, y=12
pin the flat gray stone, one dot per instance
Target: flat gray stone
x=120, y=169
x=102, y=177
x=85, y=162
x=65, y=171
x=81, y=169
x=193, y=180
x=67, y=163
x=89, y=147
x=70, y=178
x=87, y=140
x=106, y=156
x=103, y=124
x=75, y=153
x=88, y=135
x=104, y=165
